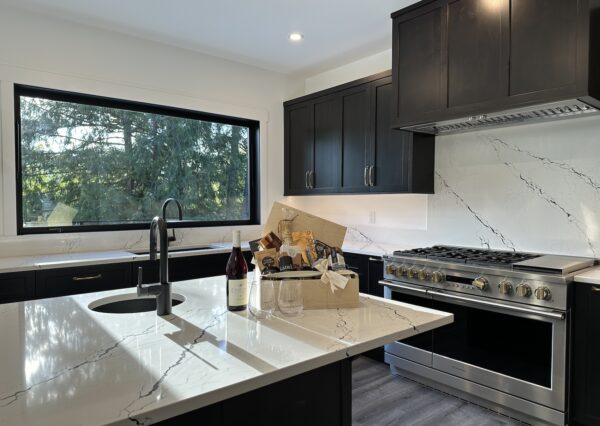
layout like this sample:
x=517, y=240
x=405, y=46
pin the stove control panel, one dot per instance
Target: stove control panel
x=507, y=287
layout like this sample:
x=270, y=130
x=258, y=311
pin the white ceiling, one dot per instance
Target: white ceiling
x=254, y=32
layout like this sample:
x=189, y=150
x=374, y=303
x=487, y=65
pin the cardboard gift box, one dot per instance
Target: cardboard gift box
x=316, y=293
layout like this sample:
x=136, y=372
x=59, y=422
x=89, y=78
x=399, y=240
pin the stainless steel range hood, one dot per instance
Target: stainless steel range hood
x=536, y=113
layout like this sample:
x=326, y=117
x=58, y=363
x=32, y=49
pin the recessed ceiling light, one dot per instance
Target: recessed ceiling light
x=295, y=37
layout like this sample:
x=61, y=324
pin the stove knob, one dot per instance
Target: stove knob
x=438, y=277
x=412, y=272
x=543, y=293
x=423, y=274
x=391, y=269
x=400, y=271
x=481, y=283
x=505, y=287
x=523, y=290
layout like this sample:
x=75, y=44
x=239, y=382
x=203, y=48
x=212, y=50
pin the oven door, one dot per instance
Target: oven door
x=511, y=348
x=417, y=348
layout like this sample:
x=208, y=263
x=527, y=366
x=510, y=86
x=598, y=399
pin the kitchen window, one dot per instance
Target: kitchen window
x=89, y=163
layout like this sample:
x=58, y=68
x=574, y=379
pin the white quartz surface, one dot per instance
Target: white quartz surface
x=48, y=261
x=65, y=364
x=591, y=276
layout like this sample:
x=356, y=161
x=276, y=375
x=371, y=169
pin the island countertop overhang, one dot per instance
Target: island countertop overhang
x=62, y=359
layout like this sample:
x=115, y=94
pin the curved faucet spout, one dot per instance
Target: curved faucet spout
x=159, y=226
x=179, y=210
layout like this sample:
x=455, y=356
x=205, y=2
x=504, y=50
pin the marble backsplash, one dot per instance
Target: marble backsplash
x=531, y=188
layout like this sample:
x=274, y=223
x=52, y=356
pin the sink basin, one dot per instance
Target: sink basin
x=129, y=303
x=176, y=249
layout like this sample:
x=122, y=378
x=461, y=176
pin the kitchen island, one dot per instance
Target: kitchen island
x=63, y=363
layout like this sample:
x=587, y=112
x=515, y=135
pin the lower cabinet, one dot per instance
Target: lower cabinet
x=17, y=286
x=370, y=271
x=185, y=268
x=318, y=397
x=585, y=383
x=84, y=279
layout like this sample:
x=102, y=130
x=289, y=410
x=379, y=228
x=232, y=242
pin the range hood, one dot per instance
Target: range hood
x=514, y=116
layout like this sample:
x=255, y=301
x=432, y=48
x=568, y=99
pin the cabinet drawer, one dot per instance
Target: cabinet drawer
x=67, y=281
x=186, y=268
x=16, y=287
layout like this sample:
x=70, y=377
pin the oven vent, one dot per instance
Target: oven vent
x=546, y=112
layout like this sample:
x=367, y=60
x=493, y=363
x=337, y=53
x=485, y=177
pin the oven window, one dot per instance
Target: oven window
x=514, y=346
x=424, y=340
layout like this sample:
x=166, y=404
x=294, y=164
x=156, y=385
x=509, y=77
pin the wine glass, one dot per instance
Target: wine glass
x=290, y=300
x=261, y=302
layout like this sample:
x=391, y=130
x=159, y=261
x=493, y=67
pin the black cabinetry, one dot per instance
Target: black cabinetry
x=370, y=271
x=585, y=392
x=17, y=286
x=39, y=284
x=85, y=279
x=340, y=141
x=186, y=267
x=457, y=58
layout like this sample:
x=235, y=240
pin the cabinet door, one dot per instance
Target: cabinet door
x=85, y=279
x=360, y=264
x=419, y=55
x=17, y=286
x=389, y=148
x=478, y=43
x=355, y=139
x=586, y=355
x=543, y=53
x=299, y=147
x=327, y=120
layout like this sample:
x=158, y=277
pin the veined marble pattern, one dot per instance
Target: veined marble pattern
x=61, y=360
x=529, y=188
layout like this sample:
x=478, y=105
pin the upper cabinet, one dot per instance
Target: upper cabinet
x=341, y=140
x=461, y=58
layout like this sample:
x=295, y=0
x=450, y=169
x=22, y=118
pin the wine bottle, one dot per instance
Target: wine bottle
x=237, y=277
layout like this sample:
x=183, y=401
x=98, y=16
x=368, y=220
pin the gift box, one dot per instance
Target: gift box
x=321, y=290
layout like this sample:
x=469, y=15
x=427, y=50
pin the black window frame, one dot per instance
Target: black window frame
x=102, y=101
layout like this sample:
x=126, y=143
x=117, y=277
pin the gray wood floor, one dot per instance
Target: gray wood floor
x=380, y=398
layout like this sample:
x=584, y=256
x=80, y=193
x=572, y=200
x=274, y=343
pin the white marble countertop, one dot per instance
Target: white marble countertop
x=49, y=261
x=591, y=276
x=65, y=364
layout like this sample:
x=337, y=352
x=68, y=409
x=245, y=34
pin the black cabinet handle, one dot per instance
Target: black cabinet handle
x=365, y=176
x=306, y=179
x=371, y=183
x=88, y=278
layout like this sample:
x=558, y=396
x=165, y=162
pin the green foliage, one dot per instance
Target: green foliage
x=117, y=166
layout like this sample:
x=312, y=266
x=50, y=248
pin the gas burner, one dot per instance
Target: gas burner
x=473, y=256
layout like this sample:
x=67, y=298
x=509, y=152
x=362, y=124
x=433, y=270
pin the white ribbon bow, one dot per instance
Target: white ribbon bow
x=334, y=279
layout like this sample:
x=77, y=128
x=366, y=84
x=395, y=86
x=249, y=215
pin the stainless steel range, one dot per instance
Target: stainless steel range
x=508, y=346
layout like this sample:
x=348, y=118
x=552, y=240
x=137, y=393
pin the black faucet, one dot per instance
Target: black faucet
x=164, y=213
x=162, y=290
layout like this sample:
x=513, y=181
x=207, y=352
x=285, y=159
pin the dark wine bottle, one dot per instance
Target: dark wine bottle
x=237, y=277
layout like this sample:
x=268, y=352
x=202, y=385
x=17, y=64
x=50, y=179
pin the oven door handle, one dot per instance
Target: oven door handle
x=404, y=289
x=475, y=302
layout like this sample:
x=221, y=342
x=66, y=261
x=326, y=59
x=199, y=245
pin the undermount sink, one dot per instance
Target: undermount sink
x=129, y=303
x=176, y=249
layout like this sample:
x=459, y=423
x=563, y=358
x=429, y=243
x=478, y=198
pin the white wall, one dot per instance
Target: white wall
x=47, y=52
x=533, y=188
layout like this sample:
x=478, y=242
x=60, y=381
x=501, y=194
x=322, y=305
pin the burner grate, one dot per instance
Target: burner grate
x=473, y=256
